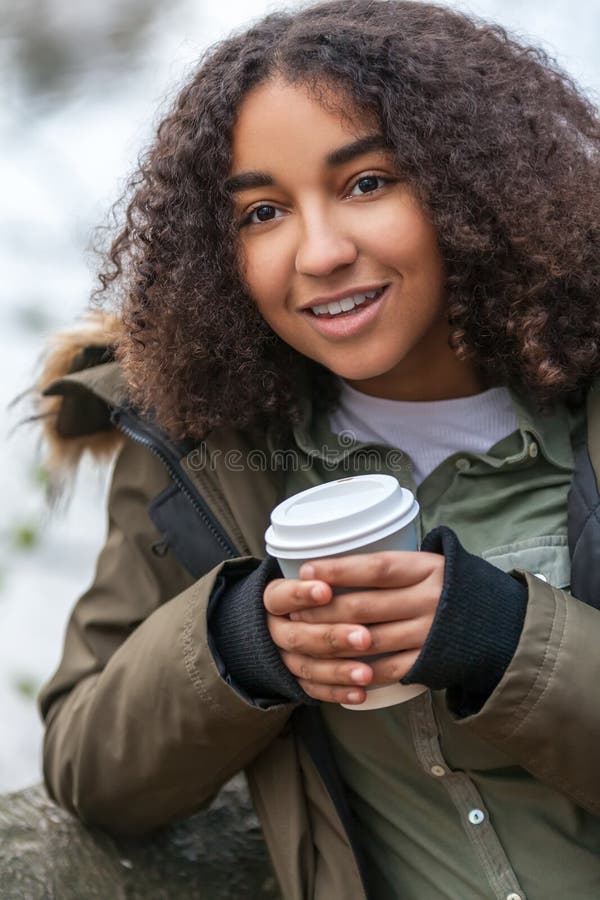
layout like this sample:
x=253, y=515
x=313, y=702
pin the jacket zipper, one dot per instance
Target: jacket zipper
x=127, y=422
x=130, y=425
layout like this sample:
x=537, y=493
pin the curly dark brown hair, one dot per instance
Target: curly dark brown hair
x=500, y=145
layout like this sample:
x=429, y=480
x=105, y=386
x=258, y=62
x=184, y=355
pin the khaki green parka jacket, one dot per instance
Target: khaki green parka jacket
x=141, y=729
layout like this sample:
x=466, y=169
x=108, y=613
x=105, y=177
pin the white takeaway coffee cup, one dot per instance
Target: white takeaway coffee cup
x=360, y=514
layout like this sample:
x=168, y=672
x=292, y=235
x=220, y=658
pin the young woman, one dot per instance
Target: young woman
x=366, y=226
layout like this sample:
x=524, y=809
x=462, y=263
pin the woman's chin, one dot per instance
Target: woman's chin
x=358, y=374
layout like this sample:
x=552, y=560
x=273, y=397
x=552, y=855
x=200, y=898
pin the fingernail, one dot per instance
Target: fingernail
x=317, y=592
x=357, y=638
x=358, y=674
x=307, y=571
x=354, y=697
x=294, y=616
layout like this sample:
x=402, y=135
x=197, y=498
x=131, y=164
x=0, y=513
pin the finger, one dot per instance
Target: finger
x=388, y=568
x=318, y=640
x=399, y=636
x=391, y=669
x=334, y=672
x=366, y=607
x=284, y=595
x=333, y=693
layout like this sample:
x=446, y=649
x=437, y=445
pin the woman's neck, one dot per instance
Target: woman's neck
x=460, y=380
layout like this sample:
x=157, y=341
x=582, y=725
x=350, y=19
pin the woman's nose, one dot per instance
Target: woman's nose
x=324, y=246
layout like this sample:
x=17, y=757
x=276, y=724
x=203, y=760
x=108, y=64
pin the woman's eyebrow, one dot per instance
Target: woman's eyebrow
x=363, y=145
x=247, y=180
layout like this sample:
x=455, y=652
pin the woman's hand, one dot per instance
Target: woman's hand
x=320, y=634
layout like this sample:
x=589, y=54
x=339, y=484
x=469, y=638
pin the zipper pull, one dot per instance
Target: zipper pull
x=160, y=548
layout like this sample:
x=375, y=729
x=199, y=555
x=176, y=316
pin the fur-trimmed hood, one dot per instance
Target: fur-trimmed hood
x=78, y=383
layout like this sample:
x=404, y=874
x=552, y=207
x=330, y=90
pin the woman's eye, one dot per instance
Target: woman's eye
x=263, y=213
x=367, y=184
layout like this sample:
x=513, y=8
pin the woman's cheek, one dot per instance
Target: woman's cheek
x=269, y=277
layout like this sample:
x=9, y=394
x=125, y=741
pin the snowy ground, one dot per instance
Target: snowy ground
x=63, y=166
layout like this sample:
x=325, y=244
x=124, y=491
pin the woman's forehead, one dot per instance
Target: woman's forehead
x=277, y=119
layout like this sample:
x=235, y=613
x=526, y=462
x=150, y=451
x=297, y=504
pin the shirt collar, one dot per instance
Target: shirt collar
x=550, y=431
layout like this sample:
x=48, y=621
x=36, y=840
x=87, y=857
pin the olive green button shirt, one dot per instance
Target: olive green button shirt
x=443, y=814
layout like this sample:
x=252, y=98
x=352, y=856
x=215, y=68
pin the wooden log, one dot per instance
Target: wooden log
x=218, y=854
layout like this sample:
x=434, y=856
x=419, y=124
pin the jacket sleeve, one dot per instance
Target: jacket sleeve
x=519, y=662
x=545, y=711
x=475, y=630
x=141, y=728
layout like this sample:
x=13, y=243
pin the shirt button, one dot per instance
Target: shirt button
x=533, y=450
x=513, y=897
x=463, y=465
x=438, y=771
x=476, y=816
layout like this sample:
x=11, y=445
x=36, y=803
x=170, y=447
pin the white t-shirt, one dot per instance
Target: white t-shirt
x=429, y=431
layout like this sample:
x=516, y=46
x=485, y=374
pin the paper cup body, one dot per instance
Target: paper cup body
x=405, y=539
x=362, y=514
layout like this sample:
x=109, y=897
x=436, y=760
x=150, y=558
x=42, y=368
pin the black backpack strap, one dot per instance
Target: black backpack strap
x=584, y=509
x=307, y=723
x=593, y=424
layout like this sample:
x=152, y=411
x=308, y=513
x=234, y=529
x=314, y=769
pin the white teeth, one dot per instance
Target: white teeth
x=344, y=305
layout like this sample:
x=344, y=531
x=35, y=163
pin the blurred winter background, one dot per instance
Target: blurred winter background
x=81, y=87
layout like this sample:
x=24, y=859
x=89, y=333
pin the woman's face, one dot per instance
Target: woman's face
x=340, y=258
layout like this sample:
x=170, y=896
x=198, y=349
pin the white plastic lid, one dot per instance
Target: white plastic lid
x=339, y=516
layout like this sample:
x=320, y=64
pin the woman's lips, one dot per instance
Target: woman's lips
x=347, y=324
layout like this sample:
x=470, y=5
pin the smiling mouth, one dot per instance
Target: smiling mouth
x=339, y=309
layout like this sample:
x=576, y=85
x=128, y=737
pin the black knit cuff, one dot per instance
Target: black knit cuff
x=240, y=640
x=475, y=630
